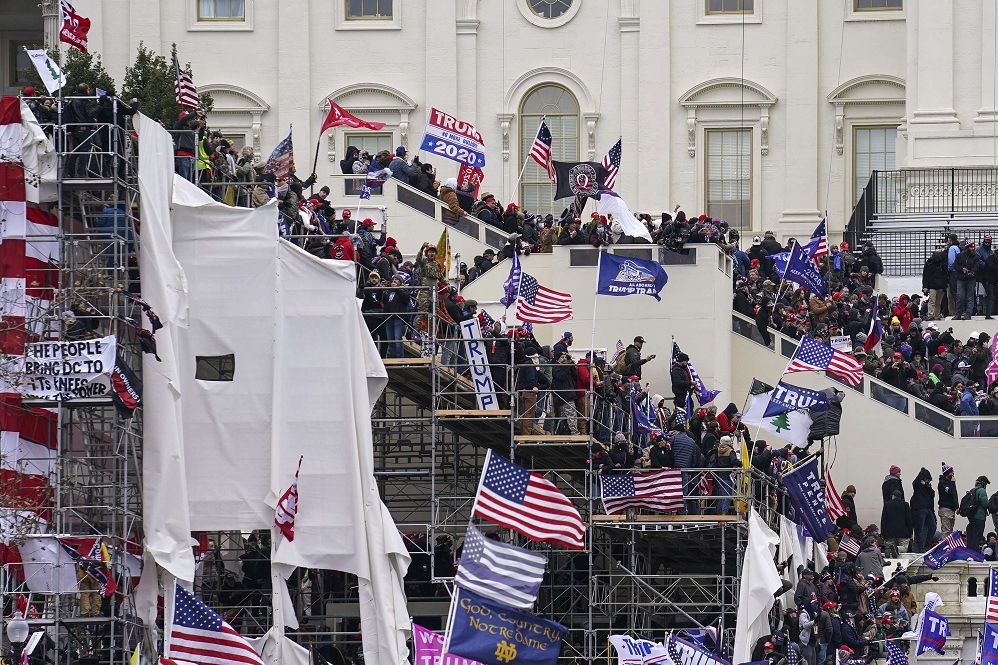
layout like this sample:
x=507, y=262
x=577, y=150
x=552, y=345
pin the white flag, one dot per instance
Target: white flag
x=52, y=76
x=610, y=203
x=792, y=426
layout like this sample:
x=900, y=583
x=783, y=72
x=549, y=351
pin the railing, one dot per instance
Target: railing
x=958, y=427
x=934, y=192
x=855, y=231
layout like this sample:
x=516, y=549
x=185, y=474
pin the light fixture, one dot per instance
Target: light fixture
x=17, y=633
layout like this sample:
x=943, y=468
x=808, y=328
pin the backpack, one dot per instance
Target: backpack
x=993, y=504
x=969, y=504
x=620, y=364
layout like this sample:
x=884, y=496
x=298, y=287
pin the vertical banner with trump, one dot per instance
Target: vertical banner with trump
x=454, y=139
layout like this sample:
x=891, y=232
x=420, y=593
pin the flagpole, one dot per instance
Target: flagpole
x=516, y=187
x=592, y=352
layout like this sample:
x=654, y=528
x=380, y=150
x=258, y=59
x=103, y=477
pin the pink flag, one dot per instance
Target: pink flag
x=992, y=371
x=287, y=508
x=337, y=116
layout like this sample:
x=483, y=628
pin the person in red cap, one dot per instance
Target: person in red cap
x=892, y=483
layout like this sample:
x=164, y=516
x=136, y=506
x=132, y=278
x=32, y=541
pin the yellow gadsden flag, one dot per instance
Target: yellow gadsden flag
x=443, y=253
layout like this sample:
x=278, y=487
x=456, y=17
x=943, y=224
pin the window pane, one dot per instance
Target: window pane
x=730, y=6
x=873, y=150
x=561, y=110
x=729, y=176
x=207, y=9
x=369, y=141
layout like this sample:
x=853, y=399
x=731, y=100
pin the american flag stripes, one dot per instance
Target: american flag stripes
x=539, y=304
x=504, y=573
x=833, y=501
x=287, y=507
x=183, y=86
x=540, y=150
x=528, y=503
x=818, y=244
x=991, y=611
x=617, y=350
x=199, y=635
x=895, y=655
x=611, y=162
x=849, y=544
x=813, y=356
x=660, y=490
x=280, y=161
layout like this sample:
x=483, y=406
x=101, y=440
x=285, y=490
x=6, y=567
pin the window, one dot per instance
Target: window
x=560, y=110
x=549, y=9
x=367, y=10
x=221, y=10
x=876, y=5
x=873, y=150
x=730, y=6
x=215, y=368
x=369, y=141
x=19, y=64
x=729, y=176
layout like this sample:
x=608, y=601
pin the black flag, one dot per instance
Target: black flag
x=578, y=179
x=127, y=389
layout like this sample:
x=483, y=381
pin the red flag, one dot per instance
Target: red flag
x=74, y=27
x=337, y=116
x=287, y=508
x=471, y=174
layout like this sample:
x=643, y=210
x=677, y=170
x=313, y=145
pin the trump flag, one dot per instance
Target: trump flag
x=624, y=276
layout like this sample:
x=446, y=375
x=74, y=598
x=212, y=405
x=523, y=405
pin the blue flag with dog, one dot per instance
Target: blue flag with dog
x=624, y=276
x=492, y=633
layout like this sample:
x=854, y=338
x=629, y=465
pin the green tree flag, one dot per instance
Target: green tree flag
x=79, y=68
x=780, y=422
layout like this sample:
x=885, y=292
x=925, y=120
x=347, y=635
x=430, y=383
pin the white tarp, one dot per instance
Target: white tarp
x=48, y=567
x=274, y=308
x=759, y=581
x=790, y=546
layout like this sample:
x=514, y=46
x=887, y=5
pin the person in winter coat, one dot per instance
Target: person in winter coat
x=727, y=420
x=949, y=500
x=896, y=522
x=563, y=387
x=682, y=382
x=975, y=525
x=529, y=235
x=686, y=455
x=965, y=267
x=346, y=164
x=806, y=593
x=661, y=453
x=923, y=503
x=849, y=501
x=632, y=358
x=725, y=459
x=448, y=194
x=425, y=180
x=892, y=483
x=935, y=278
x=402, y=169
x=870, y=559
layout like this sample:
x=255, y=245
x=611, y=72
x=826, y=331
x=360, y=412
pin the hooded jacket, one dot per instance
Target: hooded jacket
x=923, y=497
x=891, y=484
x=948, y=497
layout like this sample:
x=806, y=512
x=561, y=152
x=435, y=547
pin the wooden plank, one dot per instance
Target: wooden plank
x=609, y=518
x=551, y=438
x=685, y=518
x=473, y=413
x=389, y=362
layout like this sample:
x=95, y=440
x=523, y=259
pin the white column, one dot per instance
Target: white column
x=295, y=101
x=630, y=71
x=800, y=107
x=466, y=65
x=50, y=22
x=933, y=70
x=989, y=55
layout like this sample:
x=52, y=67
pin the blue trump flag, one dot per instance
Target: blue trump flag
x=801, y=270
x=989, y=647
x=935, y=630
x=511, y=287
x=491, y=633
x=951, y=548
x=808, y=497
x=640, y=419
x=623, y=276
x=787, y=397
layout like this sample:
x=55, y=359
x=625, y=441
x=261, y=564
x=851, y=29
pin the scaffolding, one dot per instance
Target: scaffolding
x=639, y=573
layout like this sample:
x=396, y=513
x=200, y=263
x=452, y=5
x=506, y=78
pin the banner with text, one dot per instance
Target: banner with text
x=478, y=362
x=429, y=647
x=804, y=488
x=471, y=174
x=66, y=370
x=451, y=138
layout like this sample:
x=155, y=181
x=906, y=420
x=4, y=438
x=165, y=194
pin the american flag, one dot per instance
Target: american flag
x=895, y=656
x=617, y=350
x=539, y=304
x=281, y=160
x=792, y=656
x=611, y=162
x=833, y=501
x=876, y=330
x=849, y=544
x=486, y=319
x=991, y=613
x=660, y=490
x=540, y=150
x=504, y=573
x=199, y=635
x=528, y=503
x=812, y=356
x=287, y=507
x=818, y=245
x=183, y=86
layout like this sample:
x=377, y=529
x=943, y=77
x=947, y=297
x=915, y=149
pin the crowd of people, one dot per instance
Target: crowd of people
x=917, y=353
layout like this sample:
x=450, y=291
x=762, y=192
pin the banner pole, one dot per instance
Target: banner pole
x=592, y=355
x=516, y=187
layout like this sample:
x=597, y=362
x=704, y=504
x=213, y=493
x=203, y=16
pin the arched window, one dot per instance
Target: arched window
x=972, y=587
x=560, y=110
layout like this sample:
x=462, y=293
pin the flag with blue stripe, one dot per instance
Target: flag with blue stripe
x=504, y=573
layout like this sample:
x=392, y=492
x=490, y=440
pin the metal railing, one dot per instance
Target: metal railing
x=958, y=427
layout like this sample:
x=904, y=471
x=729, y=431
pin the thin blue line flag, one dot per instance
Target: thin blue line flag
x=491, y=633
x=786, y=397
x=808, y=497
x=511, y=287
x=801, y=270
x=624, y=276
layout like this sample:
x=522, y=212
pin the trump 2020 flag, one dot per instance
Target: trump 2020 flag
x=624, y=276
x=808, y=496
x=935, y=630
x=801, y=270
x=504, y=573
x=989, y=648
x=786, y=397
x=488, y=632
